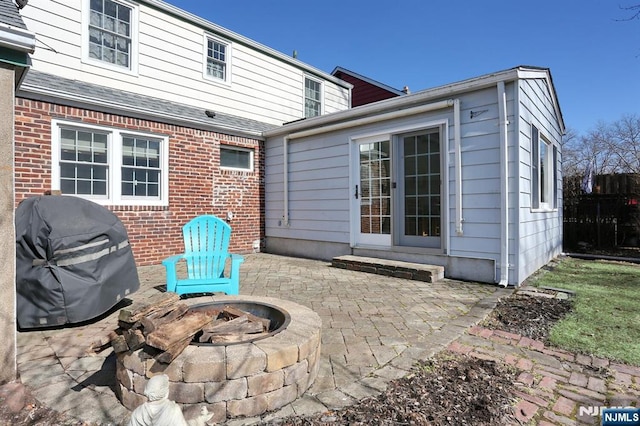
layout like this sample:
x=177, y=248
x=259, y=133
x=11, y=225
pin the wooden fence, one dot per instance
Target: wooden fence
x=609, y=217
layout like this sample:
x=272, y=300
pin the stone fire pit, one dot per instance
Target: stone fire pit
x=237, y=379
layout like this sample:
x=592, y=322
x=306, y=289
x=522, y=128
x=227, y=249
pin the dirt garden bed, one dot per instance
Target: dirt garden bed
x=455, y=390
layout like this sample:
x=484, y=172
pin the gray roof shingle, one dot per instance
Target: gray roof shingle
x=78, y=93
x=9, y=15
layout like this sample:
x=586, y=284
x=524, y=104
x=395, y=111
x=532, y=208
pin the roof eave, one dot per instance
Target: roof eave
x=400, y=102
x=534, y=72
x=449, y=90
x=368, y=80
x=141, y=113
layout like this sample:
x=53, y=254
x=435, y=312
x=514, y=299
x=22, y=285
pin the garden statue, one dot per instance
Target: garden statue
x=159, y=410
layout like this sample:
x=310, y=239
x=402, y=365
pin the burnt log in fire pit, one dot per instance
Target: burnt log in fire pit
x=239, y=374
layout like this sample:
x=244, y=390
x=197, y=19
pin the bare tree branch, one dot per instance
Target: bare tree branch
x=634, y=10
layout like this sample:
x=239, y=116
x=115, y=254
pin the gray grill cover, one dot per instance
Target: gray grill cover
x=73, y=261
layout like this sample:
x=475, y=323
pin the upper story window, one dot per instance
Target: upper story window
x=232, y=157
x=110, y=166
x=218, y=59
x=312, y=97
x=110, y=34
x=544, y=172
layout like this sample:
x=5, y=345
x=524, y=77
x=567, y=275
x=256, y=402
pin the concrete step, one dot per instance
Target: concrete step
x=392, y=268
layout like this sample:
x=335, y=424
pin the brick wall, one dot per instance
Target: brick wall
x=196, y=183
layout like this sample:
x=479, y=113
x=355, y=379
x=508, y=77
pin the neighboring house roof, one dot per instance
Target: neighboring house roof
x=48, y=87
x=365, y=90
x=342, y=118
x=230, y=35
x=9, y=14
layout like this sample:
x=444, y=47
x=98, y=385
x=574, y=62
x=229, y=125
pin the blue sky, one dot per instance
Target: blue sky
x=593, y=55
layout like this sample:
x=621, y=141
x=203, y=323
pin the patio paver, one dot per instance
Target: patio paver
x=374, y=329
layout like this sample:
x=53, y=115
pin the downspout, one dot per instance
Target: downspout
x=504, y=180
x=458, y=165
x=285, y=180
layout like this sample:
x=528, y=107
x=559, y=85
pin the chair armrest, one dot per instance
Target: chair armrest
x=172, y=276
x=172, y=260
x=236, y=260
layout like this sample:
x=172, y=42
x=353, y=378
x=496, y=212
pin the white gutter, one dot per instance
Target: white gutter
x=457, y=165
x=374, y=119
x=17, y=38
x=504, y=180
x=347, y=124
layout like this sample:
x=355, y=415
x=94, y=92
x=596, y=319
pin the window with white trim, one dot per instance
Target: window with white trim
x=141, y=169
x=218, y=58
x=108, y=165
x=544, y=172
x=232, y=157
x=110, y=33
x=312, y=97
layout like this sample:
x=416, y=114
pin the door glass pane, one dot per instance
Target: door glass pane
x=374, y=188
x=410, y=165
x=422, y=184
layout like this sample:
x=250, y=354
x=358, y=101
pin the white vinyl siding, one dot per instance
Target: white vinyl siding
x=481, y=184
x=534, y=237
x=169, y=65
x=110, y=166
x=318, y=185
x=539, y=225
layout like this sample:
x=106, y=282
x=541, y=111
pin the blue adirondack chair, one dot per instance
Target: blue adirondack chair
x=206, y=244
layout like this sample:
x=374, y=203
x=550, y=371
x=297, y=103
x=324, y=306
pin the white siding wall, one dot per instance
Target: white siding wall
x=319, y=192
x=480, y=148
x=540, y=232
x=320, y=195
x=170, y=65
x=318, y=188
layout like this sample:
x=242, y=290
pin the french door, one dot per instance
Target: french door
x=398, y=192
x=419, y=198
x=373, y=192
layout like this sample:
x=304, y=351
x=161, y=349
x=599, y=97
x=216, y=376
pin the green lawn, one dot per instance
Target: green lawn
x=605, y=320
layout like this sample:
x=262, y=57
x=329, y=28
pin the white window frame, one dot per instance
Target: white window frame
x=304, y=96
x=133, y=54
x=550, y=166
x=237, y=148
x=114, y=196
x=205, y=56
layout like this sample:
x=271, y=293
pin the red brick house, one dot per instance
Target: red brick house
x=158, y=115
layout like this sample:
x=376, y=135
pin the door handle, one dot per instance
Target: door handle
x=356, y=194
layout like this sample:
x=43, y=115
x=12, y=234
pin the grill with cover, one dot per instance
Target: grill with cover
x=73, y=261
